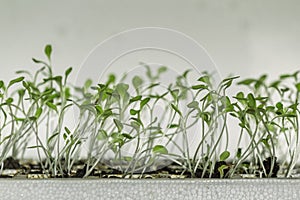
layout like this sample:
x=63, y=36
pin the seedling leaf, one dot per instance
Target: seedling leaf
x=135, y=125
x=246, y=81
x=239, y=153
x=88, y=84
x=162, y=69
x=126, y=135
x=193, y=104
x=38, y=61
x=51, y=138
x=51, y=105
x=67, y=130
x=201, y=86
x=14, y=81
x=176, y=109
x=251, y=101
x=204, y=79
x=38, y=113
x=298, y=87
x=144, y=102
x=185, y=73
x=118, y=124
x=224, y=155
x=159, y=149
x=173, y=126
x=1, y=84
x=9, y=100
x=107, y=113
x=99, y=109
x=134, y=112
x=102, y=135
x=67, y=73
x=111, y=79
x=260, y=81
x=137, y=82
x=221, y=170
x=48, y=51
x=279, y=106
x=136, y=98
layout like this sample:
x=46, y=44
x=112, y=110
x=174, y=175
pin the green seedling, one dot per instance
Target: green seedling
x=119, y=124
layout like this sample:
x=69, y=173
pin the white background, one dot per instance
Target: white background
x=243, y=37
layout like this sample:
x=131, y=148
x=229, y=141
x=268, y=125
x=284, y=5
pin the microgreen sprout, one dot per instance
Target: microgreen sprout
x=137, y=124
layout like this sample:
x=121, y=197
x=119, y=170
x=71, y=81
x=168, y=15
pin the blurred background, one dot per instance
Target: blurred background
x=243, y=37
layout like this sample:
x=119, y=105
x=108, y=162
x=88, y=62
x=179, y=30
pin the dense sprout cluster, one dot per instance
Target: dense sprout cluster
x=119, y=123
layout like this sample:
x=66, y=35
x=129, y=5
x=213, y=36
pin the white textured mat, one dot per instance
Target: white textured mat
x=79, y=189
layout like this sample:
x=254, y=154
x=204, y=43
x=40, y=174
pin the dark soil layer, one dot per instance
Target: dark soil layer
x=15, y=169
